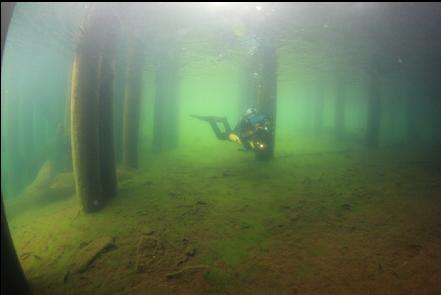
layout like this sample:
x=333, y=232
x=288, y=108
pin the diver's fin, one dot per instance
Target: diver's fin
x=208, y=118
x=203, y=118
x=214, y=121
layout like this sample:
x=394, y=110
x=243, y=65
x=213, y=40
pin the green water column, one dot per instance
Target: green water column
x=340, y=101
x=318, y=109
x=307, y=110
x=132, y=103
x=166, y=108
x=105, y=127
x=249, y=84
x=91, y=99
x=267, y=98
x=119, y=93
x=374, y=111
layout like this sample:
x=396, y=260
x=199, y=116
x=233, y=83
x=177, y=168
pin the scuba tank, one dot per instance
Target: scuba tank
x=261, y=140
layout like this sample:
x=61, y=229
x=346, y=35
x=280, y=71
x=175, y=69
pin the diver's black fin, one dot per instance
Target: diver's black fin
x=203, y=118
x=214, y=121
x=208, y=118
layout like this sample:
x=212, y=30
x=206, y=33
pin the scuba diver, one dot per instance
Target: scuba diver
x=254, y=131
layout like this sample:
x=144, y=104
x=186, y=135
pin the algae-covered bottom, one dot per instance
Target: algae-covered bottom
x=331, y=220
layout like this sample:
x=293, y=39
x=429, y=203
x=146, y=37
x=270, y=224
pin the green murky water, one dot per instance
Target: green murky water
x=111, y=187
